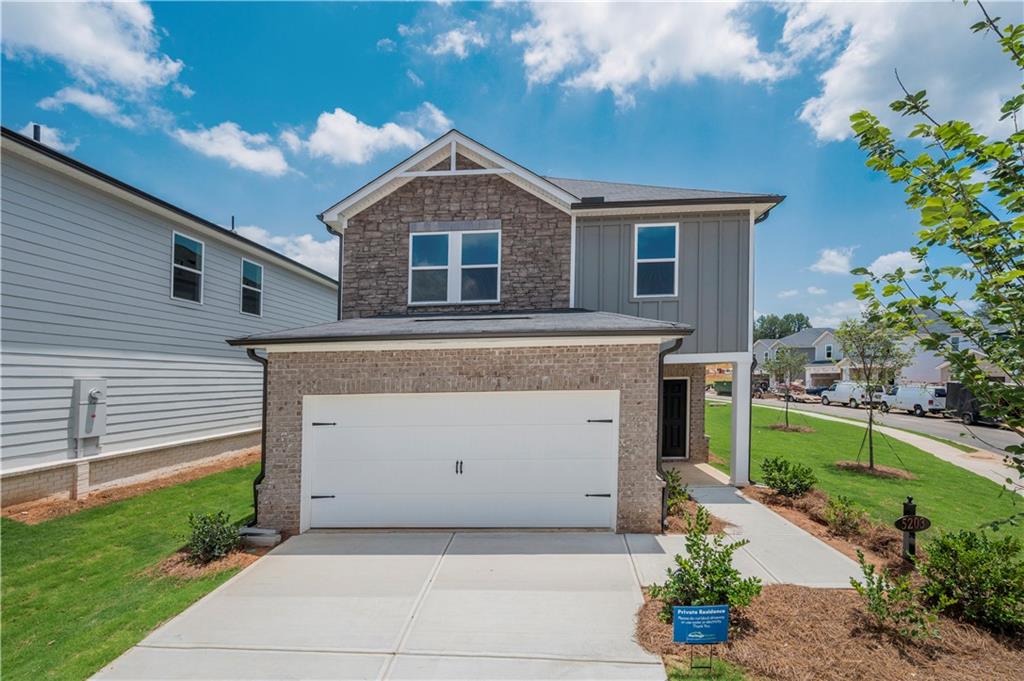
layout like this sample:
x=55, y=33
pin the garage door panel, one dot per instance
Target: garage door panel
x=529, y=459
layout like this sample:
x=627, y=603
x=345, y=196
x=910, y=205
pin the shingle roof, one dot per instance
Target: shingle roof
x=805, y=337
x=621, y=192
x=547, y=323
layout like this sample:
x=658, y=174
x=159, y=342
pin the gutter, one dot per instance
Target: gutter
x=661, y=398
x=263, y=441
x=774, y=199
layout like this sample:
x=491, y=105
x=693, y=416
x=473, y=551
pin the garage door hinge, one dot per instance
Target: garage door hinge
x=324, y=423
x=598, y=495
x=321, y=496
x=599, y=421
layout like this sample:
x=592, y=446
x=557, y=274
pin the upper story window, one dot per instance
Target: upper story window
x=955, y=342
x=252, y=288
x=828, y=351
x=656, y=253
x=454, y=267
x=187, y=268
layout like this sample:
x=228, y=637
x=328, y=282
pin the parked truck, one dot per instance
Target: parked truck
x=916, y=399
x=962, y=404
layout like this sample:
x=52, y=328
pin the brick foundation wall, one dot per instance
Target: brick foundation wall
x=698, y=440
x=534, y=245
x=631, y=369
x=76, y=477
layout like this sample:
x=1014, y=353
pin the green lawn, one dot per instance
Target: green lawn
x=720, y=671
x=75, y=592
x=951, y=496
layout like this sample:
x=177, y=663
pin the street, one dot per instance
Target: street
x=980, y=437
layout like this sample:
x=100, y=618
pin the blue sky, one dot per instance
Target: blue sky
x=272, y=112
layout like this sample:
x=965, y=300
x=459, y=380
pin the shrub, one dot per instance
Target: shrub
x=842, y=516
x=787, y=478
x=705, y=576
x=976, y=578
x=894, y=602
x=676, y=492
x=211, y=536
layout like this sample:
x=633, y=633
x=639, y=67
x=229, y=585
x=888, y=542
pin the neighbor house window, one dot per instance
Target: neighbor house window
x=454, y=267
x=187, y=269
x=828, y=352
x=656, y=253
x=955, y=342
x=252, y=288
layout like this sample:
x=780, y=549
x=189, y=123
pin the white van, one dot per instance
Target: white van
x=844, y=392
x=916, y=399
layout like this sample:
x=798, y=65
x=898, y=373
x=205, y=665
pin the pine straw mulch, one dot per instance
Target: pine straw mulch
x=795, y=633
x=790, y=429
x=678, y=512
x=41, y=510
x=177, y=564
x=878, y=471
x=881, y=544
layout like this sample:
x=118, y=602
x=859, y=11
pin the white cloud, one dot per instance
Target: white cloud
x=416, y=80
x=51, y=137
x=429, y=119
x=183, y=90
x=320, y=255
x=888, y=263
x=458, y=41
x=834, y=313
x=405, y=31
x=96, y=104
x=291, y=140
x=834, y=261
x=99, y=43
x=788, y=293
x=931, y=45
x=239, y=148
x=621, y=47
x=815, y=291
x=386, y=45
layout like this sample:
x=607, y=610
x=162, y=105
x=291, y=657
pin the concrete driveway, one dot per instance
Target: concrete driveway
x=412, y=605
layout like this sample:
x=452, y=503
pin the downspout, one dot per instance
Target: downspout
x=661, y=398
x=263, y=440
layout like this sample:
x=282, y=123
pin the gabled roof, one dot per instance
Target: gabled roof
x=805, y=338
x=58, y=161
x=566, y=323
x=566, y=194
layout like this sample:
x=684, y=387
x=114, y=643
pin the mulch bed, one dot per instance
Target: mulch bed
x=178, y=565
x=790, y=429
x=882, y=545
x=41, y=510
x=878, y=471
x=794, y=633
x=676, y=521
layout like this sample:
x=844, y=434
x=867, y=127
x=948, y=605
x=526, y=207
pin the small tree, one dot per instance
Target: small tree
x=878, y=354
x=788, y=364
x=969, y=191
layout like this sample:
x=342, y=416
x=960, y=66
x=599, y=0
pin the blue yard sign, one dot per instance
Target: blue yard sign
x=700, y=624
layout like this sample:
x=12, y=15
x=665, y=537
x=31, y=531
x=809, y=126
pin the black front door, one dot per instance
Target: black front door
x=673, y=417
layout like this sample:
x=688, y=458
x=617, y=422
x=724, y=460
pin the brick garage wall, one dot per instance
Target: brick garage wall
x=698, y=440
x=534, y=244
x=631, y=369
x=104, y=472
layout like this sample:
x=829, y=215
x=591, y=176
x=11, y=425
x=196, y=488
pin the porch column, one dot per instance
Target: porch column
x=739, y=463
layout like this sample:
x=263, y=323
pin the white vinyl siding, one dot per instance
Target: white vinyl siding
x=86, y=294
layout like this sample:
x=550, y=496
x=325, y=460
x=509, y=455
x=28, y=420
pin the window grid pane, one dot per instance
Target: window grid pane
x=252, y=275
x=429, y=286
x=480, y=284
x=188, y=253
x=656, y=243
x=252, y=301
x=429, y=250
x=187, y=285
x=479, y=249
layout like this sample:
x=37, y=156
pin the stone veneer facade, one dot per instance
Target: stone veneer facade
x=630, y=369
x=698, y=440
x=535, y=245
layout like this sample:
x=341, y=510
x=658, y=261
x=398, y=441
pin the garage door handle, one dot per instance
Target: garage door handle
x=599, y=421
x=607, y=496
x=324, y=423
x=321, y=496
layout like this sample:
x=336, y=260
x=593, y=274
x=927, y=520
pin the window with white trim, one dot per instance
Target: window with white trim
x=454, y=267
x=828, y=351
x=252, y=288
x=655, y=260
x=187, y=268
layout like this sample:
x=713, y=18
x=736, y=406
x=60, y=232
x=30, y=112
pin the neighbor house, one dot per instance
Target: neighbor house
x=818, y=345
x=515, y=350
x=113, y=314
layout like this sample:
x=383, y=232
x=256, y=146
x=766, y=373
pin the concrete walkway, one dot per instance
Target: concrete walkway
x=979, y=462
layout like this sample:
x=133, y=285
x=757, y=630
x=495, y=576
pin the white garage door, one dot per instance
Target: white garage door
x=510, y=459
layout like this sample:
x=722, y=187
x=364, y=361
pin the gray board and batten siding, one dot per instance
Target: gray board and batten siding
x=86, y=293
x=713, y=278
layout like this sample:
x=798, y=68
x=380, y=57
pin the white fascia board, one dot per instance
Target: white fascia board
x=709, y=358
x=757, y=209
x=461, y=343
x=99, y=184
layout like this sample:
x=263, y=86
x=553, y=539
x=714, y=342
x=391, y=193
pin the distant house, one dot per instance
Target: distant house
x=818, y=344
x=115, y=310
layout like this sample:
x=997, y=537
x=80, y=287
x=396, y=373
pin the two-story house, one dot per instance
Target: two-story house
x=113, y=313
x=515, y=350
x=817, y=344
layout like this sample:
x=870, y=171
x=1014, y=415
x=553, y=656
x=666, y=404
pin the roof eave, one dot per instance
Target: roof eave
x=771, y=199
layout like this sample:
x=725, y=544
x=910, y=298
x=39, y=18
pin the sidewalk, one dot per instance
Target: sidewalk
x=779, y=552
